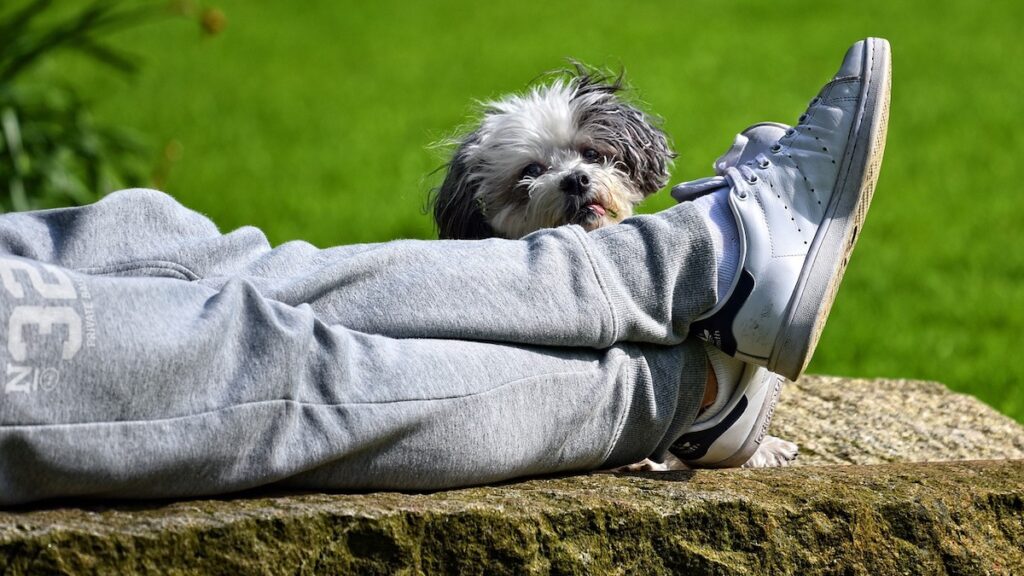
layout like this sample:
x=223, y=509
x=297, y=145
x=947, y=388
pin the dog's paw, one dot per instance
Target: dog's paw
x=648, y=465
x=773, y=452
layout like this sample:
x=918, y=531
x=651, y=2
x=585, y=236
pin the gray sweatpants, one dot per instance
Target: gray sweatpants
x=145, y=354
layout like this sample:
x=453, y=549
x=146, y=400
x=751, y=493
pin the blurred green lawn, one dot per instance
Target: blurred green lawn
x=315, y=120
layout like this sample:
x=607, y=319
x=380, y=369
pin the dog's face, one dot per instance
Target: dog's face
x=570, y=152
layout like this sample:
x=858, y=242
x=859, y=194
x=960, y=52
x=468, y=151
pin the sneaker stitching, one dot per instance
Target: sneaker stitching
x=764, y=218
x=827, y=88
x=796, y=226
x=822, y=99
x=842, y=99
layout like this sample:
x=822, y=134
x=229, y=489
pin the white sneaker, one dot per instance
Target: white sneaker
x=799, y=206
x=734, y=434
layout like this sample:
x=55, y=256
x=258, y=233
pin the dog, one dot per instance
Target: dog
x=568, y=152
x=571, y=151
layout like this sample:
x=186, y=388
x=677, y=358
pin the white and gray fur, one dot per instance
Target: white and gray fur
x=566, y=152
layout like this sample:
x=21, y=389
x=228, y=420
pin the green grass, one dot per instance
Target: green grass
x=314, y=120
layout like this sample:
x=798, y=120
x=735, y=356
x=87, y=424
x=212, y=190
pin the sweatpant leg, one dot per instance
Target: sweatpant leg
x=137, y=387
x=643, y=280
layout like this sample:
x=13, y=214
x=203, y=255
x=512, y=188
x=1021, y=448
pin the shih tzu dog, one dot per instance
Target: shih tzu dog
x=569, y=152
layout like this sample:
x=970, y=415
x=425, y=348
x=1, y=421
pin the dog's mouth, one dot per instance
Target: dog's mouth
x=589, y=213
x=597, y=208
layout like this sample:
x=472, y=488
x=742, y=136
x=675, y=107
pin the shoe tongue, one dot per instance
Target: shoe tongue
x=755, y=140
x=690, y=191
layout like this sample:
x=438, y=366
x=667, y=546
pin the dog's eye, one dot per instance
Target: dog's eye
x=591, y=155
x=533, y=170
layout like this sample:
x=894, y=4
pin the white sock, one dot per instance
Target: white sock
x=725, y=236
x=728, y=371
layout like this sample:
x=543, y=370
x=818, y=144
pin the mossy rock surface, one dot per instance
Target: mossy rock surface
x=921, y=518
x=961, y=517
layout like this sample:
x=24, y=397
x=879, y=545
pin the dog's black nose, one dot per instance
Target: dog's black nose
x=575, y=183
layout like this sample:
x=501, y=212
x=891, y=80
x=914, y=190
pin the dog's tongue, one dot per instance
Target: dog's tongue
x=596, y=209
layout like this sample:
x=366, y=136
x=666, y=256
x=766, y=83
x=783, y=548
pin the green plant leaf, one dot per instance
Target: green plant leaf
x=76, y=30
x=120, y=61
x=12, y=130
x=19, y=200
x=52, y=152
x=20, y=19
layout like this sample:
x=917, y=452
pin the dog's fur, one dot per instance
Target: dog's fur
x=567, y=152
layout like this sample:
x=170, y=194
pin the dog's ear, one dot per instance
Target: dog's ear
x=456, y=212
x=641, y=146
x=646, y=152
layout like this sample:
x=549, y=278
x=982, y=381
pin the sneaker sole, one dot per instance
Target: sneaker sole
x=834, y=242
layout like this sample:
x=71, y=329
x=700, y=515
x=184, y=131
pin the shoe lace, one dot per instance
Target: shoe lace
x=746, y=171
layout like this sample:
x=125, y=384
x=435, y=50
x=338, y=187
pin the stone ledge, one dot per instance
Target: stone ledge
x=904, y=517
x=858, y=421
x=919, y=518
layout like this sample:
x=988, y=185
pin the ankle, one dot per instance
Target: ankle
x=710, y=389
x=726, y=372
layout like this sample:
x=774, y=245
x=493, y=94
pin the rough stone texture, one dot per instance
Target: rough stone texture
x=850, y=421
x=958, y=518
x=895, y=518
